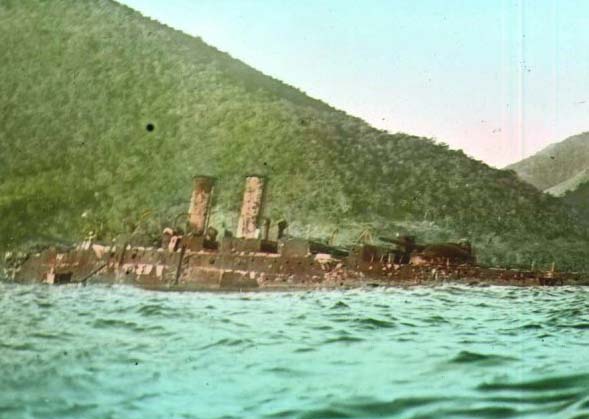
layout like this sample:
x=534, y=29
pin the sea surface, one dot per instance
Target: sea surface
x=426, y=352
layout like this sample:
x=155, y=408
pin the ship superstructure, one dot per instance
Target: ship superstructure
x=255, y=258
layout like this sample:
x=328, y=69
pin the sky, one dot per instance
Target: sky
x=499, y=79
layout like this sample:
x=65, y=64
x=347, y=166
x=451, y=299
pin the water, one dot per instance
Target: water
x=446, y=352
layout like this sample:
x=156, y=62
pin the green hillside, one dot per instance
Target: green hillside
x=80, y=81
x=570, y=184
x=559, y=167
x=578, y=199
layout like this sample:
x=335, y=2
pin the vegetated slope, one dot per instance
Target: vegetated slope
x=79, y=82
x=559, y=167
x=570, y=184
x=578, y=199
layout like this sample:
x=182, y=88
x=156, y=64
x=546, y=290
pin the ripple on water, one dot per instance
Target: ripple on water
x=343, y=336
x=363, y=408
x=340, y=305
x=19, y=346
x=110, y=323
x=155, y=310
x=372, y=323
x=565, y=382
x=466, y=357
x=228, y=342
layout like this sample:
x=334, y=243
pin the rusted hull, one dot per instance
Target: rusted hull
x=206, y=270
x=196, y=260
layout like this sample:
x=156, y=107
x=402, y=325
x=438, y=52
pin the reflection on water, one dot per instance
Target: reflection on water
x=446, y=352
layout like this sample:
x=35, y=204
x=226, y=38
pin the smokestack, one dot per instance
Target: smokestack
x=200, y=204
x=251, y=208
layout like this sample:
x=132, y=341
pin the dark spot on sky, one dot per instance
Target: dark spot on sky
x=150, y=127
x=552, y=157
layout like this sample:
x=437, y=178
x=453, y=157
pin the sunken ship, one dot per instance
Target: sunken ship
x=251, y=258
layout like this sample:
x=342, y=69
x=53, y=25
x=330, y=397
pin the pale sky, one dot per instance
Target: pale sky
x=499, y=79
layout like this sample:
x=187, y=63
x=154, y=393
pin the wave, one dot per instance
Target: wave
x=373, y=323
x=466, y=357
x=558, y=383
